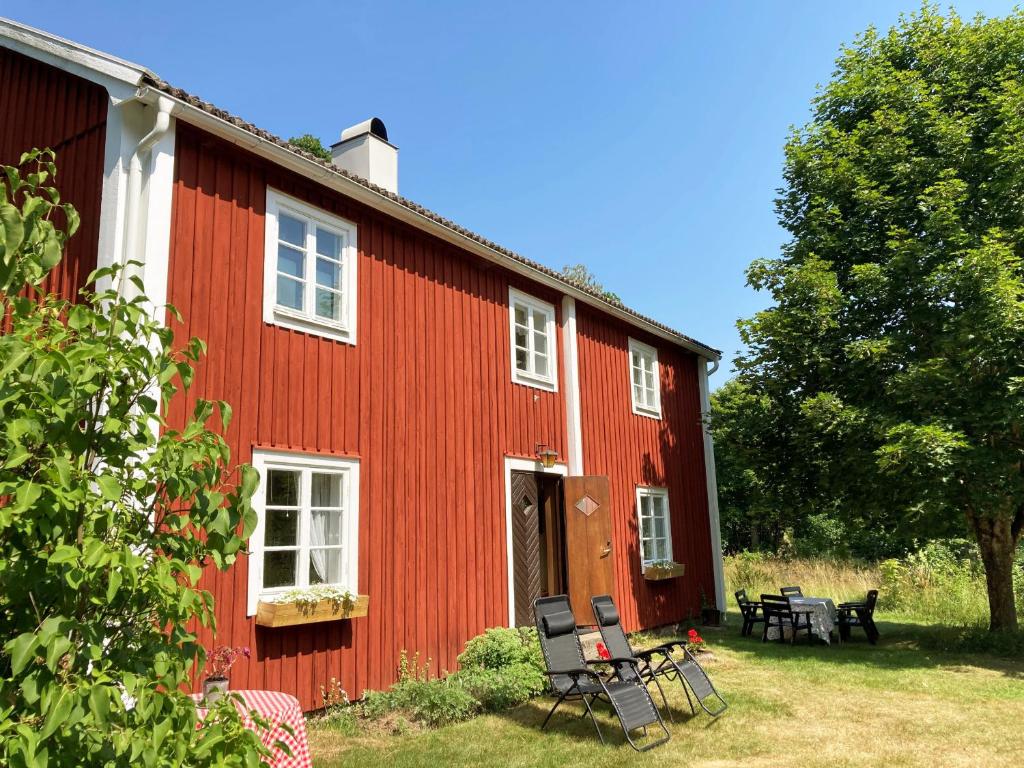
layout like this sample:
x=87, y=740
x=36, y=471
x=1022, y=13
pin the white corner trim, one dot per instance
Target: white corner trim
x=343, y=330
x=640, y=409
x=516, y=464
x=711, y=480
x=264, y=459
x=156, y=246
x=549, y=382
x=573, y=420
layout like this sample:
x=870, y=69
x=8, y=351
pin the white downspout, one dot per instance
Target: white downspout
x=711, y=480
x=162, y=122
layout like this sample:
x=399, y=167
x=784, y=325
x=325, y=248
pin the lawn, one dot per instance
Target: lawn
x=898, y=704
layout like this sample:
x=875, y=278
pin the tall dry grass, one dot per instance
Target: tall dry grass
x=759, y=574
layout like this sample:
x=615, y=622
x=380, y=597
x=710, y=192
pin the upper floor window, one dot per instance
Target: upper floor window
x=532, y=327
x=655, y=527
x=309, y=270
x=307, y=528
x=643, y=376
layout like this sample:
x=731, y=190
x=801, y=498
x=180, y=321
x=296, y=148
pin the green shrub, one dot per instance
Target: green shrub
x=502, y=667
x=500, y=647
x=431, y=701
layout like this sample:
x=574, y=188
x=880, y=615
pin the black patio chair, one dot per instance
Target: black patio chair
x=658, y=662
x=572, y=678
x=751, y=612
x=859, y=615
x=779, y=613
x=791, y=592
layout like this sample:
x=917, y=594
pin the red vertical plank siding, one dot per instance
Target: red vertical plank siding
x=45, y=107
x=426, y=402
x=636, y=450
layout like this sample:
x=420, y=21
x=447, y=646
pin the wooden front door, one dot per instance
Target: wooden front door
x=588, y=543
x=526, y=545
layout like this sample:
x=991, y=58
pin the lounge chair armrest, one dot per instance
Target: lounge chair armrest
x=613, y=660
x=574, y=673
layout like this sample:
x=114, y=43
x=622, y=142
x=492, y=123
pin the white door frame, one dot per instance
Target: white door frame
x=516, y=464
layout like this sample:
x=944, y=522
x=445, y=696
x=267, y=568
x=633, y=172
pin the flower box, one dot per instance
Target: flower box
x=289, y=614
x=662, y=571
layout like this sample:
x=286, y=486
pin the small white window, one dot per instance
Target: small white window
x=645, y=387
x=655, y=528
x=307, y=528
x=309, y=270
x=532, y=327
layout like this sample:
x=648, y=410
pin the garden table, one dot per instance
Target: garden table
x=279, y=710
x=822, y=613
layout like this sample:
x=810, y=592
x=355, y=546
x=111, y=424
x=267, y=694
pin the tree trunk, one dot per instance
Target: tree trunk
x=997, y=540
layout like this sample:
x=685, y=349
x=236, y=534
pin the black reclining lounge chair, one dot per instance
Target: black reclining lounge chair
x=572, y=679
x=657, y=662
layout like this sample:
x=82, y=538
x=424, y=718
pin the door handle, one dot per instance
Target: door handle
x=607, y=549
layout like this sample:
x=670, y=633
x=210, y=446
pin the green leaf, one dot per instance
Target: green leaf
x=21, y=650
x=109, y=487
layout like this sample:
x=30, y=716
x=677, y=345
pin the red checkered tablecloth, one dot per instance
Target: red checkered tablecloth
x=278, y=709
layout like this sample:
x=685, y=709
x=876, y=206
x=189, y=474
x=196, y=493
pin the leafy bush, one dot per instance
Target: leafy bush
x=311, y=144
x=431, y=701
x=502, y=667
x=107, y=516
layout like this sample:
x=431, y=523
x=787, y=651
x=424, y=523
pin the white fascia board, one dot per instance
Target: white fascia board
x=121, y=78
x=312, y=170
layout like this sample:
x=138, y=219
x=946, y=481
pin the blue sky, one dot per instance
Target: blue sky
x=644, y=140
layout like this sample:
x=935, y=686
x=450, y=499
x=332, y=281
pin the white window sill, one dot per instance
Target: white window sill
x=650, y=413
x=296, y=322
x=548, y=385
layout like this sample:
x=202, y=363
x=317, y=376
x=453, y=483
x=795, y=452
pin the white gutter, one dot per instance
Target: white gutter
x=313, y=170
x=165, y=106
x=711, y=481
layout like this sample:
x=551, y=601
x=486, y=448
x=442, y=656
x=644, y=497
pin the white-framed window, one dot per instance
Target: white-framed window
x=534, y=343
x=309, y=269
x=645, y=387
x=655, y=525
x=307, y=524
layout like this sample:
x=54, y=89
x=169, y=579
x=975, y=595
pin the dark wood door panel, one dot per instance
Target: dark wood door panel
x=526, y=546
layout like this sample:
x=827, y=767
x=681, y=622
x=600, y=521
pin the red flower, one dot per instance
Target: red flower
x=602, y=651
x=692, y=633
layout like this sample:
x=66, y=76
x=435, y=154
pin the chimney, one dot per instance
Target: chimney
x=364, y=150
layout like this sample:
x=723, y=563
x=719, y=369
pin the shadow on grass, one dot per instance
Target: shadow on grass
x=903, y=645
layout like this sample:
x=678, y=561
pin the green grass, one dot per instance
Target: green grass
x=905, y=702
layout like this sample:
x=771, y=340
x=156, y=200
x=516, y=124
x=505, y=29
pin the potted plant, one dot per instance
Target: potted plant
x=659, y=570
x=710, y=616
x=218, y=663
x=306, y=605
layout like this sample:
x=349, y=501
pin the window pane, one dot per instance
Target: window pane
x=521, y=338
x=328, y=304
x=282, y=528
x=520, y=314
x=290, y=261
x=328, y=244
x=638, y=394
x=649, y=380
x=289, y=292
x=291, y=230
x=282, y=488
x=328, y=274
x=279, y=569
x=645, y=506
x=325, y=528
x=540, y=320
x=646, y=528
x=521, y=359
x=540, y=342
x=636, y=359
x=326, y=490
x=660, y=549
x=325, y=566
x=540, y=365
x=658, y=505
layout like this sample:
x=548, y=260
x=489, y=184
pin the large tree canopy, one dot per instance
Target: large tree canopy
x=894, y=348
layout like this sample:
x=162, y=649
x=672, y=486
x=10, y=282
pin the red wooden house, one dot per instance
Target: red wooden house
x=442, y=426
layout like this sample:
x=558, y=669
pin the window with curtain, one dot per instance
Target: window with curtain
x=643, y=376
x=533, y=341
x=307, y=531
x=655, y=526
x=310, y=270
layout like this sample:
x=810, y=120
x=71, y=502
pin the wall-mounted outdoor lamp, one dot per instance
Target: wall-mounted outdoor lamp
x=547, y=456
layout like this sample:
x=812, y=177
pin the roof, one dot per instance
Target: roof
x=127, y=71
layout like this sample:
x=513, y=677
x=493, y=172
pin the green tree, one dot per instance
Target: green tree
x=311, y=144
x=894, y=344
x=107, y=516
x=580, y=274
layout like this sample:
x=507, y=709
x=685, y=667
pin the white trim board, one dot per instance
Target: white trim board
x=514, y=463
x=573, y=411
x=711, y=480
